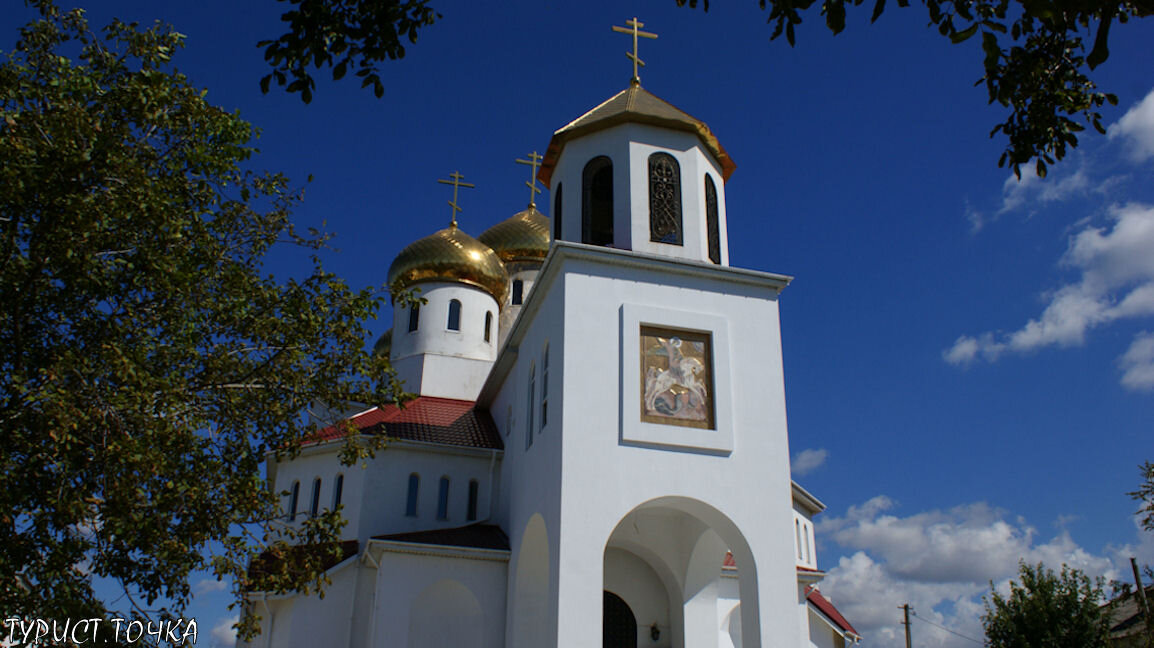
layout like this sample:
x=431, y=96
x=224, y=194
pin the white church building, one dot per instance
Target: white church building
x=597, y=454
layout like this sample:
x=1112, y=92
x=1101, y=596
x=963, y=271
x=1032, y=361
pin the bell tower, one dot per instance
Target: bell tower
x=637, y=173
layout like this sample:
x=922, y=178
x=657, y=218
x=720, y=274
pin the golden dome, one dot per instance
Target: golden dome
x=384, y=344
x=524, y=236
x=450, y=255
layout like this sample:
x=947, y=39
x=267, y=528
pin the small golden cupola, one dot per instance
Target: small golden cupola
x=449, y=255
x=524, y=236
x=522, y=242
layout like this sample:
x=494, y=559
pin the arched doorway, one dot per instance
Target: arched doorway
x=619, y=626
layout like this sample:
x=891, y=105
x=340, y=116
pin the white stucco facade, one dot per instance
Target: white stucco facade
x=609, y=466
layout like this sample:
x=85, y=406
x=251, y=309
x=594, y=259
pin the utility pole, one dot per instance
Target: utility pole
x=906, y=609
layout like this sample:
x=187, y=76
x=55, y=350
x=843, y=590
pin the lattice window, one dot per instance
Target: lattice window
x=664, y=199
x=712, y=229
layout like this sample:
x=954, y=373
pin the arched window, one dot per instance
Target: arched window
x=294, y=499
x=518, y=292
x=471, y=511
x=414, y=317
x=531, y=404
x=711, y=227
x=544, y=386
x=454, y=315
x=488, y=325
x=315, y=504
x=597, y=202
x=338, y=489
x=411, y=497
x=557, y=214
x=664, y=199
x=797, y=533
x=443, y=499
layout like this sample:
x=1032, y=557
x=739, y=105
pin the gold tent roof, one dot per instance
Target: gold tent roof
x=637, y=105
x=524, y=236
x=450, y=255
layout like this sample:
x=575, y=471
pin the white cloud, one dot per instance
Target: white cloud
x=1116, y=282
x=223, y=635
x=1138, y=363
x=808, y=460
x=1137, y=127
x=1031, y=189
x=941, y=563
x=208, y=585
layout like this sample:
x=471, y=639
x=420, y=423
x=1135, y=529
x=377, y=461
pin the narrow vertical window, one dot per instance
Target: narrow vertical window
x=518, y=291
x=411, y=497
x=471, y=512
x=544, y=386
x=294, y=499
x=414, y=316
x=808, y=553
x=797, y=536
x=443, y=499
x=711, y=226
x=315, y=504
x=531, y=402
x=454, y=315
x=338, y=490
x=597, y=202
x=509, y=420
x=488, y=326
x=557, y=214
x=664, y=199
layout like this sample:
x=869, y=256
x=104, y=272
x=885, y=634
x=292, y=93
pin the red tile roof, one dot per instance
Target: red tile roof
x=826, y=607
x=477, y=536
x=427, y=419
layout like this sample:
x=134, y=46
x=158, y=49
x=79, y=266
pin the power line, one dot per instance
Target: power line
x=941, y=627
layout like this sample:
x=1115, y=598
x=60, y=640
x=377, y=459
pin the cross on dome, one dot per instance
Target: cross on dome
x=456, y=182
x=534, y=161
x=634, y=27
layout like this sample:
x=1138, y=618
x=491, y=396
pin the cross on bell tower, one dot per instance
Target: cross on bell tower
x=633, y=28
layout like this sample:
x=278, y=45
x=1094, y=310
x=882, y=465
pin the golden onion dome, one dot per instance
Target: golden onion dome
x=450, y=255
x=384, y=344
x=524, y=236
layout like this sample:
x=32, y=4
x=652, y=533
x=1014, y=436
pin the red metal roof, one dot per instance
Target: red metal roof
x=479, y=536
x=826, y=607
x=426, y=419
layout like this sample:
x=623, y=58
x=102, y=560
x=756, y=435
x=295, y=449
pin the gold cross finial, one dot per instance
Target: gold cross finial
x=634, y=26
x=534, y=161
x=456, y=182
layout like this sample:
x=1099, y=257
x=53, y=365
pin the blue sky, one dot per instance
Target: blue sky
x=969, y=360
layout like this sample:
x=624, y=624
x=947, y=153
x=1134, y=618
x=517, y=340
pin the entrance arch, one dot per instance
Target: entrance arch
x=618, y=626
x=671, y=551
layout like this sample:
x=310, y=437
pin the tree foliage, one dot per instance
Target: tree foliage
x=148, y=363
x=1145, y=496
x=341, y=34
x=1047, y=610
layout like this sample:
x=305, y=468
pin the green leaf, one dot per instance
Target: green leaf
x=965, y=34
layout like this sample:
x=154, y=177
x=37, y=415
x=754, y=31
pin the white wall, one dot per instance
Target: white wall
x=437, y=361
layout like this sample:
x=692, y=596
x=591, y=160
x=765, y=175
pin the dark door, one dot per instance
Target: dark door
x=619, y=626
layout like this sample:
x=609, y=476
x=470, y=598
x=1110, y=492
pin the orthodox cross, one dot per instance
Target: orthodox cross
x=633, y=28
x=456, y=182
x=534, y=161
